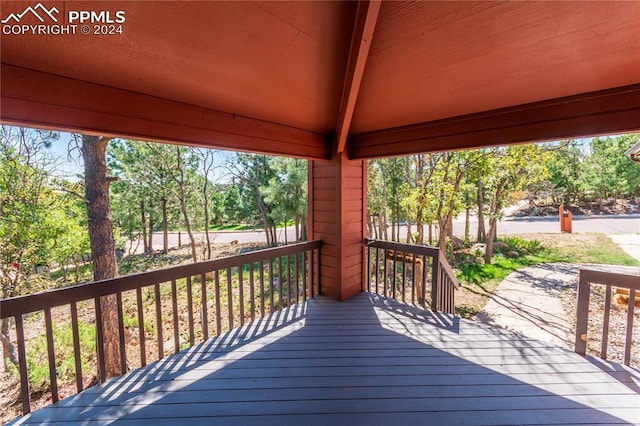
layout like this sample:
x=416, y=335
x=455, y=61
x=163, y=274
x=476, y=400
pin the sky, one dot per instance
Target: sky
x=70, y=164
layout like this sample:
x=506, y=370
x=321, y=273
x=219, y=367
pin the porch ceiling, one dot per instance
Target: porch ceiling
x=286, y=77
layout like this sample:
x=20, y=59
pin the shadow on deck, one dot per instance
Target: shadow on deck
x=367, y=360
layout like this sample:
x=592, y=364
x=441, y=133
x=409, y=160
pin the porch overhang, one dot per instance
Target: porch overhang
x=310, y=79
x=331, y=81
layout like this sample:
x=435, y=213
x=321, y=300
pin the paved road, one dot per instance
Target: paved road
x=620, y=224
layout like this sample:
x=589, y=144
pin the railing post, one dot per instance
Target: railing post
x=582, y=316
x=435, y=277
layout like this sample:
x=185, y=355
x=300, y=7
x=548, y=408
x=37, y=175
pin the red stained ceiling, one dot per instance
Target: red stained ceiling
x=433, y=60
x=285, y=62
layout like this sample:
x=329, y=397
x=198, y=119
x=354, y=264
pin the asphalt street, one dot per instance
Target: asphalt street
x=610, y=225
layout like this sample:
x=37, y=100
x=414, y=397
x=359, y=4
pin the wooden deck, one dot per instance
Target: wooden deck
x=364, y=361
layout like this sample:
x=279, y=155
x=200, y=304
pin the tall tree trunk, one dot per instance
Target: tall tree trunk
x=382, y=222
x=482, y=235
x=150, y=233
x=488, y=253
x=8, y=349
x=303, y=227
x=442, y=236
x=143, y=222
x=207, y=159
x=207, y=235
x=494, y=211
x=165, y=231
x=467, y=224
x=393, y=229
x=183, y=204
x=102, y=242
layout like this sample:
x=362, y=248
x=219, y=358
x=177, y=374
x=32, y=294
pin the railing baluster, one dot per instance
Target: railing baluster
x=289, y=283
x=159, y=321
x=629, y=338
x=377, y=269
x=312, y=273
x=306, y=278
x=51, y=355
x=582, y=317
x=297, y=275
x=605, y=322
x=393, y=274
x=218, y=314
x=626, y=284
x=121, y=339
x=203, y=298
x=190, y=311
x=230, y=297
x=384, y=275
x=316, y=273
x=367, y=273
x=435, y=275
x=414, y=258
x=404, y=273
x=25, y=394
x=241, y=293
x=252, y=294
x=271, y=287
x=280, y=283
x=102, y=372
x=423, y=286
x=141, y=330
x=76, y=346
x=261, y=288
x=413, y=280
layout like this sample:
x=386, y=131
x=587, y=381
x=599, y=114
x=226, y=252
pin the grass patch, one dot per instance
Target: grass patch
x=233, y=227
x=83, y=274
x=479, y=280
x=581, y=248
x=37, y=358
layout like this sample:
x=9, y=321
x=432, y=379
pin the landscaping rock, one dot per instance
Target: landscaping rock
x=479, y=247
x=500, y=245
x=512, y=253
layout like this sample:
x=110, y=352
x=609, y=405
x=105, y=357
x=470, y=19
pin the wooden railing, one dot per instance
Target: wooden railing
x=228, y=292
x=629, y=283
x=411, y=273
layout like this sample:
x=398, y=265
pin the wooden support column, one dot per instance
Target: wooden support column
x=337, y=197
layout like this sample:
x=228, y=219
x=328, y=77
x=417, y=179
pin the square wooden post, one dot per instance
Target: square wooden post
x=337, y=197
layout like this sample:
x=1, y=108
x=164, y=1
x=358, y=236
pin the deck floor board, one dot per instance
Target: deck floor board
x=367, y=360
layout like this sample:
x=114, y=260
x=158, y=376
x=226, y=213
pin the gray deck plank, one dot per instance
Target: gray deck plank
x=364, y=361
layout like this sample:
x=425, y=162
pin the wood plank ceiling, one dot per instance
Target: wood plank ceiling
x=308, y=79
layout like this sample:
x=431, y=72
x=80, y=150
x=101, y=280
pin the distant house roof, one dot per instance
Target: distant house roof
x=634, y=152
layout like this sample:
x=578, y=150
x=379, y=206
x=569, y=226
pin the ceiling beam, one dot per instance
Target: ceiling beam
x=34, y=98
x=365, y=24
x=589, y=114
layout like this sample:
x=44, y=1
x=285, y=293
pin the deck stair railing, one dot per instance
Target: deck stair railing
x=193, y=302
x=411, y=273
x=620, y=283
